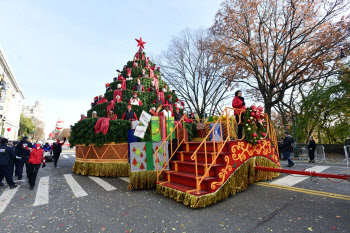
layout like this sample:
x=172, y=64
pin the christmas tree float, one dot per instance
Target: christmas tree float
x=102, y=137
x=138, y=128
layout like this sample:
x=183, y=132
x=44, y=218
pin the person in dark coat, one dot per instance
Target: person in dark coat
x=177, y=116
x=6, y=155
x=57, y=150
x=239, y=105
x=288, y=148
x=312, y=148
x=23, y=155
x=129, y=115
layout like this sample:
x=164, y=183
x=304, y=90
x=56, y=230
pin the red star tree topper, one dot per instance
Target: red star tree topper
x=140, y=43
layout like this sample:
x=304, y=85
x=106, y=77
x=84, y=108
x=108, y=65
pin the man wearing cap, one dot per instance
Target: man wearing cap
x=166, y=112
x=108, y=88
x=164, y=88
x=177, y=103
x=57, y=150
x=138, y=86
x=6, y=155
x=158, y=100
x=134, y=100
x=94, y=114
x=24, y=156
x=129, y=115
x=34, y=162
x=177, y=115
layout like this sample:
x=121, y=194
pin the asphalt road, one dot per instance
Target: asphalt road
x=105, y=205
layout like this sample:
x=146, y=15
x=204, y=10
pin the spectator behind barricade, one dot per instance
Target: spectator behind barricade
x=311, y=147
x=347, y=144
x=288, y=148
x=280, y=149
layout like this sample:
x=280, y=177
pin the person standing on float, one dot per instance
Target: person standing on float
x=239, y=105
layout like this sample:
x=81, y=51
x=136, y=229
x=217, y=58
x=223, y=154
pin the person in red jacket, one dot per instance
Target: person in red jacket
x=34, y=162
x=239, y=105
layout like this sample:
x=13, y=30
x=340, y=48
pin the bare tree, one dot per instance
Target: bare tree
x=195, y=72
x=273, y=46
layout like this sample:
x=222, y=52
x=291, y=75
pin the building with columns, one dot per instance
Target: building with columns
x=11, y=98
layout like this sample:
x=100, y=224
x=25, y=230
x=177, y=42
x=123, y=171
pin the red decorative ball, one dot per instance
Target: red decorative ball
x=265, y=126
x=263, y=134
x=252, y=114
x=259, y=141
x=254, y=135
x=260, y=132
x=257, y=116
x=248, y=120
x=254, y=108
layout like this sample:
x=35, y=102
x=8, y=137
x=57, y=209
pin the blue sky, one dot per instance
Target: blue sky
x=63, y=52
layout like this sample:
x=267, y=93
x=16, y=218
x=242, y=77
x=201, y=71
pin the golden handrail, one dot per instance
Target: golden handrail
x=155, y=154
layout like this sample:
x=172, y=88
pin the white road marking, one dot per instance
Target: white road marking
x=294, y=179
x=73, y=155
x=6, y=197
x=103, y=183
x=126, y=179
x=73, y=184
x=65, y=156
x=42, y=194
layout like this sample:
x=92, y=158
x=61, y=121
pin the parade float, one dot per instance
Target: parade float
x=197, y=163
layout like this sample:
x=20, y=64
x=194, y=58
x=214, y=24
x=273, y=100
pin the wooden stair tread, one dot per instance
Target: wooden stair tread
x=193, y=163
x=189, y=175
x=200, y=142
x=180, y=187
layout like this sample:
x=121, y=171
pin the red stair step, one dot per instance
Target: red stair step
x=193, y=146
x=200, y=156
x=182, y=188
x=188, y=179
x=190, y=167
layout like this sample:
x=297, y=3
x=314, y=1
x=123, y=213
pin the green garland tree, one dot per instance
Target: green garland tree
x=83, y=131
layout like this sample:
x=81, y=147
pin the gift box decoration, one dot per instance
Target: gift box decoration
x=217, y=132
x=170, y=125
x=155, y=129
x=132, y=137
x=134, y=124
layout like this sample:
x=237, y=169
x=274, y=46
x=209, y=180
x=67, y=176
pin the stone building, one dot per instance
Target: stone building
x=11, y=98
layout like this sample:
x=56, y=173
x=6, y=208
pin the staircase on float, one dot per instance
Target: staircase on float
x=182, y=173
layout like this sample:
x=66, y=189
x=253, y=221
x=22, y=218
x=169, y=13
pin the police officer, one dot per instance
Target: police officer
x=23, y=154
x=6, y=154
